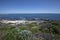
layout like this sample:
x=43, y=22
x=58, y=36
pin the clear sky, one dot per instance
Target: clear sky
x=29, y=6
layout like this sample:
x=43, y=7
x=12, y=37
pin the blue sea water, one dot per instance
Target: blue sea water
x=30, y=16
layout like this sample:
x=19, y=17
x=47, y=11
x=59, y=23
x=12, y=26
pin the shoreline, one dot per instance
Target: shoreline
x=19, y=21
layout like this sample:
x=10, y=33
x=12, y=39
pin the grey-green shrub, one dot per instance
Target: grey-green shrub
x=25, y=35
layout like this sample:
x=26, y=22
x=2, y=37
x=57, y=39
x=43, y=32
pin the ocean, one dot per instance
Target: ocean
x=30, y=16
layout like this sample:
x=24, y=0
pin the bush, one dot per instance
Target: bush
x=25, y=35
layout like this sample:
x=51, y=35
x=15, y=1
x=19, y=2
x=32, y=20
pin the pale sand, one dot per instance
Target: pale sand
x=18, y=21
x=13, y=21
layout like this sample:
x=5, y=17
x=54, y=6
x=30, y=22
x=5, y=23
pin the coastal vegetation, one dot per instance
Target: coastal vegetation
x=47, y=30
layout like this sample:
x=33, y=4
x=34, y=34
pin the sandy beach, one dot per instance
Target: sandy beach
x=19, y=21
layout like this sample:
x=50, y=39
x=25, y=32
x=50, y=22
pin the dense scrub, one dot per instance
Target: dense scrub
x=48, y=30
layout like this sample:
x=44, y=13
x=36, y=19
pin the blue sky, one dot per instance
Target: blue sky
x=29, y=6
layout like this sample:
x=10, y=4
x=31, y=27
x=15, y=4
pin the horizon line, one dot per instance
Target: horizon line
x=29, y=13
